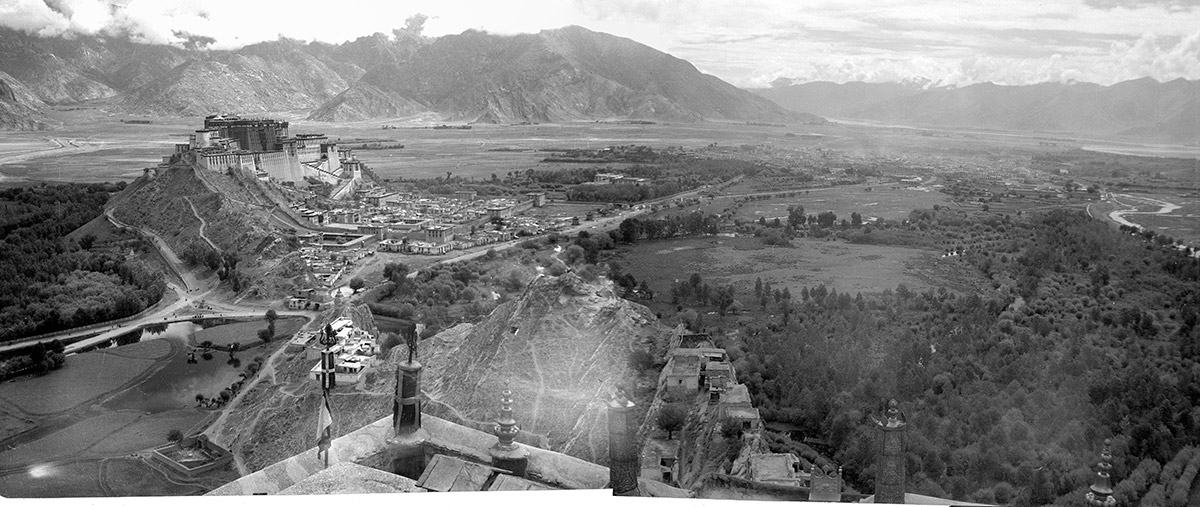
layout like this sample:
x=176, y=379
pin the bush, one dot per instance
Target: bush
x=671, y=418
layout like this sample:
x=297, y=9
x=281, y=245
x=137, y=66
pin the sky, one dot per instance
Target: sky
x=750, y=43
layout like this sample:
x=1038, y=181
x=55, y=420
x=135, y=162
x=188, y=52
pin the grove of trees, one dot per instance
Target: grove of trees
x=1087, y=333
x=49, y=282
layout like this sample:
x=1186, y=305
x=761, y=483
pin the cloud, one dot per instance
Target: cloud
x=1149, y=57
x=1170, y=5
x=140, y=20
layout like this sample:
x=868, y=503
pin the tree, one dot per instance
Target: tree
x=395, y=271
x=724, y=298
x=356, y=283
x=264, y=335
x=796, y=216
x=826, y=219
x=855, y=219
x=174, y=435
x=271, y=316
x=574, y=255
x=671, y=418
x=644, y=289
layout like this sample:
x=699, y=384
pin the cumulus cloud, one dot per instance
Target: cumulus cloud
x=955, y=43
x=140, y=20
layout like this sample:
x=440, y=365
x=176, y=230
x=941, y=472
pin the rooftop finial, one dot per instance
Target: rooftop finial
x=506, y=453
x=411, y=334
x=892, y=416
x=1101, y=490
x=506, y=428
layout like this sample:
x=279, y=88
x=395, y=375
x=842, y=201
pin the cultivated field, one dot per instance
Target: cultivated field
x=891, y=202
x=72, y=441
x=245, y=333
x=85, y=377
x=73, y=479
x=809, y=263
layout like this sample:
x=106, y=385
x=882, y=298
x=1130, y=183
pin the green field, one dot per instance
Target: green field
x=809, y=263
x=72, y=441
x=75, y=479
x=245, y=334
x=84, y=377
x=891, y=202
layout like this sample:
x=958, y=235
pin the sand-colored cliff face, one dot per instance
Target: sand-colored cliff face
x=562, y=347
x=568, y=352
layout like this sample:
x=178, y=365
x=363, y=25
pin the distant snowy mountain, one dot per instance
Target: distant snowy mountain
x=1145, y=108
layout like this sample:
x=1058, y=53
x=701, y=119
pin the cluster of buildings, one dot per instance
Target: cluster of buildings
x=430, y=225
x=440, y=239
x=265, y=148
x=355, y=351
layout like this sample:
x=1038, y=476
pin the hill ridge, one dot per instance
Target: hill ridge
x=563, y=74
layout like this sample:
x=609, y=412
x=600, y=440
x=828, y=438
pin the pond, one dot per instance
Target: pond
x=176, y=384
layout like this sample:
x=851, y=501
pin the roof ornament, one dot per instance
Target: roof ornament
x=892, y=416
x=1101, y=491
x=506, y=428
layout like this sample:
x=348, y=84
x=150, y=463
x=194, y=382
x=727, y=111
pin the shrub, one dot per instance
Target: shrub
x=671, y=418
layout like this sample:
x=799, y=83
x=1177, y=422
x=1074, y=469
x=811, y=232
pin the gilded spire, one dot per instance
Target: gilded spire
x=506, y=428
x=1101, y=490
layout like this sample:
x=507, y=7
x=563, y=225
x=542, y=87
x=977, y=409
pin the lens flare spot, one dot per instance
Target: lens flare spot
x=41, y=470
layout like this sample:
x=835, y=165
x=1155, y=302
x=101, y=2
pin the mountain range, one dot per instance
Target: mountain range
x=556, y=75
x=566, y=74
x=1143, y=108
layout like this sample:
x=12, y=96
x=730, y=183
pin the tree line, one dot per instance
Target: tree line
x=49, y=281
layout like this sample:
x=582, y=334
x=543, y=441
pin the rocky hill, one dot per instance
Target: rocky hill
x=271, y=76
x=190, y=207
x=565, y=74
x=562, y=347
x=1145, y=108
x=19, y=109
